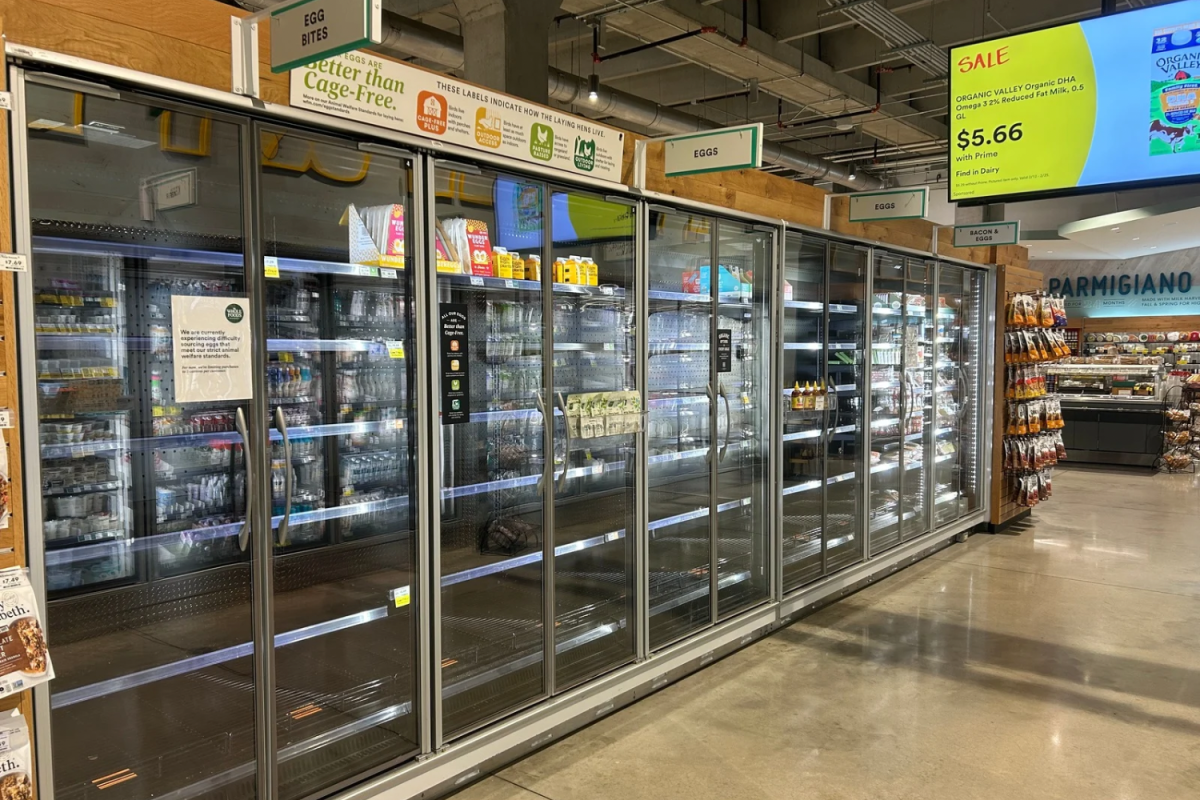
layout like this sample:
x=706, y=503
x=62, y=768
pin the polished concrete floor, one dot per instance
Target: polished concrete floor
x=1060, y=661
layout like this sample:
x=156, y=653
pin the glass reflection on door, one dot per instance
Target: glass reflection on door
x=597, y=415
x=143, y=491
x=491, y=263
x=743, y=396
x=336, y=227
x=679, y=435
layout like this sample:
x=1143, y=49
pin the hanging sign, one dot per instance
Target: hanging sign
x=890, y=204
x=714, y=151
x=309, y=30
x=456, y=390
x=989, y=234
x=210, y=340
x=363, y=87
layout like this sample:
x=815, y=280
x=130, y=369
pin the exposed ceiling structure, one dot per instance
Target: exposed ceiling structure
x=851, y=92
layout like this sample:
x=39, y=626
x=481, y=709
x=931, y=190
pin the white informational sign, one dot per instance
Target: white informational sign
x=988, y=234
x=714, y=151
x=890, y=204
x=210, y=338
x=362, y=87
x=309, y=30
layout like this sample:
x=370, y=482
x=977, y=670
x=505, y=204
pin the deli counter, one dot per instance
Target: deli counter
x=1113, y=411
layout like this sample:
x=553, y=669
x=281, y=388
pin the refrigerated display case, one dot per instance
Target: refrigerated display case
x=146, y=490
x=958, y=386
x=823, y=368
x=708, y=397
x=509, y=439
x=536, y=564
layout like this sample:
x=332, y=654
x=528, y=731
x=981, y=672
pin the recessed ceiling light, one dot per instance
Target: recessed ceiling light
x=1169, y=224
x=1049, y=251
x=1153, y=247
x=1116, y=228
x=1137, y=238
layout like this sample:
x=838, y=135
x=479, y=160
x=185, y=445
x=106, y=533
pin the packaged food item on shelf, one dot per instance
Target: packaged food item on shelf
x=518, y=267
x=468, y=240
x=533, y=268
x=376, y=235
x=502, y=263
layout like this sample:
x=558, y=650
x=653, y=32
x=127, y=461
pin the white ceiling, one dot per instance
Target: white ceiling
x=1125, y=234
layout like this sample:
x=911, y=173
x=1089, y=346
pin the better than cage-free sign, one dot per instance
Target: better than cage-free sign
x=396, y=96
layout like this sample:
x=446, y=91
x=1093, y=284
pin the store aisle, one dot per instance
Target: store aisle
x=1058, y=662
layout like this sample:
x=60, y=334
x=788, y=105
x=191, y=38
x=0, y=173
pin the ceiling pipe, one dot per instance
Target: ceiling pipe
x=406, y=38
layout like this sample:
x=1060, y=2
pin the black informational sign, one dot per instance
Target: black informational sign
x=456, y=389
x=724, y=351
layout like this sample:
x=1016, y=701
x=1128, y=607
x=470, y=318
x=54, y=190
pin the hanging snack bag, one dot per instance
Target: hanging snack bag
x=16, y=758
x=24, y=659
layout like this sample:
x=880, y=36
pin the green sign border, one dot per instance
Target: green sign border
x=924, y=204
x=755, y=145
x=337, y=51
x=1016, y=226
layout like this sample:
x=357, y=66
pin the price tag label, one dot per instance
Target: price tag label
x=476, y=281
x=510, y=284
x=609, y=346
x=395, y=349
x=6, y=418
x=366, y=272
x=6, y=101
x=400, y=597
x=14, y=262
x=606, y=290
x=389, y=274
x=271, y=267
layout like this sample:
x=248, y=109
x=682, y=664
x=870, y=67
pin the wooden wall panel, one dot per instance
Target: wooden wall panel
x=12, y=538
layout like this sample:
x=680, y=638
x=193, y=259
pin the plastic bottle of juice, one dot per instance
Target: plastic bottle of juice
x=797, y=397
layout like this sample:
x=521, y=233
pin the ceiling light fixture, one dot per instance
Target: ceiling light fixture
x=853, y=174
x=1115, y=229
x=1137, y=238
x=593, y=87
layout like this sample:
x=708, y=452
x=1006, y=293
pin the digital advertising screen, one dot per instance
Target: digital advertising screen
x=1100, y=103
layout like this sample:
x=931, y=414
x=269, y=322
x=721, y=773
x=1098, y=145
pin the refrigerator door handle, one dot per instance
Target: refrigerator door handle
x=562, y=479
x=542, y=410
x=288, y=478
x=244, y=533
x=728, y=423
x=713, y=434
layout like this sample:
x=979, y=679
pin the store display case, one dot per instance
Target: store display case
x=1113, y=412
x=709, y=408
x=507, y=434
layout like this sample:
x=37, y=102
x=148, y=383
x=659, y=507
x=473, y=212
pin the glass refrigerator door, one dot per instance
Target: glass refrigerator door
x=957, y=367
x=918, y=396
x=491, y=263
x=336, y=227
x=808, y=406
x=743, y=414
x=598, y=414
x=679, y=436
x=143, y=477
x=889, y=425
x=847, y=375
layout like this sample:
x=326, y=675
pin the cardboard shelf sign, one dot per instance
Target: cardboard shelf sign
x=365, y=88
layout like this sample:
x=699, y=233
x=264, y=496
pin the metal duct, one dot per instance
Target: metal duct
x=406, y=37
x=903, y=39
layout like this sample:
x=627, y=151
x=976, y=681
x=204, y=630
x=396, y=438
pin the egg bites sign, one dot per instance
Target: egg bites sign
x=1105, y=102
x=365, y=88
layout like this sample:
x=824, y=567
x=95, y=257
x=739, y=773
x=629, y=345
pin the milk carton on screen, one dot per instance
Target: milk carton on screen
x=1175, y=89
